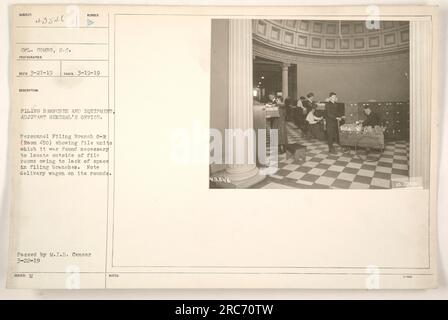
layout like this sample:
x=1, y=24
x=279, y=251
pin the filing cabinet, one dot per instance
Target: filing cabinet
x=351, y=112
x=393, y=115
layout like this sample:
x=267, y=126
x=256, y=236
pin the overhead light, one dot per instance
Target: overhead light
x=262, y=77
x=259, y=82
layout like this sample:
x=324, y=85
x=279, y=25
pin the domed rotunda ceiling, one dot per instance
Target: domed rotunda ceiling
x=332, y=38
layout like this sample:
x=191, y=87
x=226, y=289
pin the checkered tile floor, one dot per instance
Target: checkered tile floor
x=344, y=170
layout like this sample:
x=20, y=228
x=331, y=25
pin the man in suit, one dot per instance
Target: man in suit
x=331, y=118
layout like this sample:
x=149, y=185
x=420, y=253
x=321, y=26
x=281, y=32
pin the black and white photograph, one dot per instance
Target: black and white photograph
x=322, y=104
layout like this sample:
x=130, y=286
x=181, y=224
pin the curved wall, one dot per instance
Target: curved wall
x=342, y=56
x=382, y=81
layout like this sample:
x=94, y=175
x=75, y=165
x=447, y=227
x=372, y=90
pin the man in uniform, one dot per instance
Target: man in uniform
x=331, y=118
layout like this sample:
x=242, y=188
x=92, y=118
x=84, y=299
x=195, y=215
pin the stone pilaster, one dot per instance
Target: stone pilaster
x=420, y=100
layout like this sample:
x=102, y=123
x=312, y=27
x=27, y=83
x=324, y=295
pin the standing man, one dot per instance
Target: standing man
x=282, y=132
x=279, y=122
x=300, y=114
x=331, y=118
x=308, y=104
x=288, y=104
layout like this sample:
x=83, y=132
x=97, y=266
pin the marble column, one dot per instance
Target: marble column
x=285, y=67
x=242, y=172
x=420, y=100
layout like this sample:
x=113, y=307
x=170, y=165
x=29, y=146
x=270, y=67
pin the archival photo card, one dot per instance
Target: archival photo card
x=223, y=147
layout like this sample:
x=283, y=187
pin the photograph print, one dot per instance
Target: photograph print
x=310, y=104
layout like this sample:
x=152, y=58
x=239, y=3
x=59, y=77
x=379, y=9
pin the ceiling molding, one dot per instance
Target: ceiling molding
x=264, y=51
